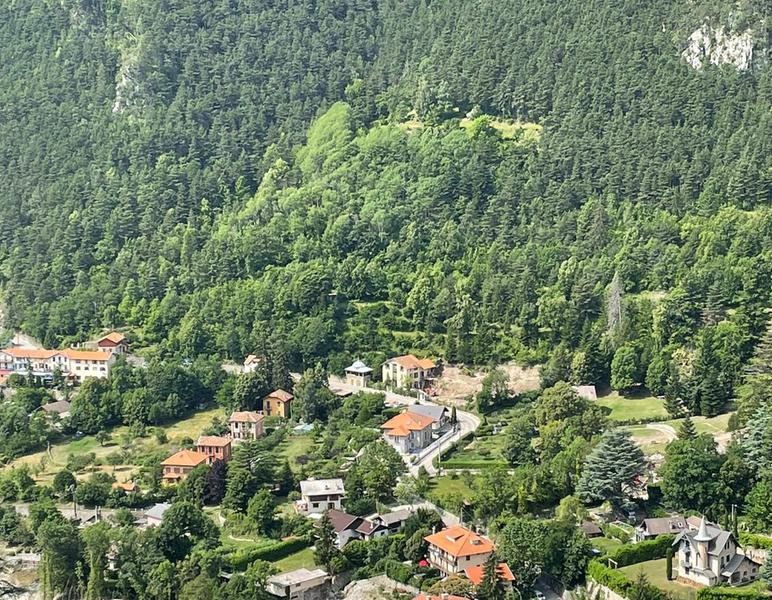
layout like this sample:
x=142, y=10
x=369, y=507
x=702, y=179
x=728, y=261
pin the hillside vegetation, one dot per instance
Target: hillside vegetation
x=159, y=174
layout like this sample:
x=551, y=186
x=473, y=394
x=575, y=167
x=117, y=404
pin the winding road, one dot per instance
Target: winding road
x=466, y=422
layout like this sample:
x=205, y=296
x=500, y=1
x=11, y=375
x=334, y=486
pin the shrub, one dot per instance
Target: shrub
x=631, y=554
x=757, y=541
x=727, y=593
x=240, y=559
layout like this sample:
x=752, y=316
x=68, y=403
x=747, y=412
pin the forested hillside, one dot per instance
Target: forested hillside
x=611, y=217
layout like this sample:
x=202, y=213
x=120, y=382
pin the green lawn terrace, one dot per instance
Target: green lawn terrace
x=656, y=573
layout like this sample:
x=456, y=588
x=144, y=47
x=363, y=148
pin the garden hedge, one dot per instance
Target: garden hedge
x=728, y=593
x=240, y=559
x=630, y=554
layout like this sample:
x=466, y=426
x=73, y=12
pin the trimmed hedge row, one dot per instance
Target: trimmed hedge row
x=724, y=593
x=619, y=582
x=757, y=541
x=240, y=559
x=630, y=554
x=454, y=446
x=460, y=463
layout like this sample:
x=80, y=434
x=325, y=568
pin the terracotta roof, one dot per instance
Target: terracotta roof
x=409, y=361
x=37, y=353
x=405, y=422
x=476, y=574
x=460, y=541
x=213, y=440
x=424, y=596
x=246, y=416
x=113, y=336
x=97, y=355
x=185, y=458
x=280, y=395
x=128, y=486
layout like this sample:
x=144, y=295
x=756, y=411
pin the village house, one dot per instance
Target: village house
x=60, y=408
x=591, y=529
x=76, y=364
x=709, y=555
x=180, y=464
x=155, y=514
x=215, y=448
x=245, y=425
x=407, y=372
x=358, y=374
x=648, y=529
x=251, y=363
x=319, y=495
x=127, y=486
x=409, y=432
x=301, y=584
x=457, y=548
x=433, y=411
x=349, y=527
x=113, y=342
x=278, y=404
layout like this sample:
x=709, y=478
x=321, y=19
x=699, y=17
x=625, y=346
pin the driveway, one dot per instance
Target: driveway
x=466, y=422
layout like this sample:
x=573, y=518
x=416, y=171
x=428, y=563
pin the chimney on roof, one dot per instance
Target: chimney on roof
x=445, y=595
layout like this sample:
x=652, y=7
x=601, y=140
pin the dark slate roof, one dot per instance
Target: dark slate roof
x=428, y=410
x=342, y=521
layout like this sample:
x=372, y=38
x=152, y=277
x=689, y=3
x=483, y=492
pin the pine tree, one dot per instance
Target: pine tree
x=490, y=587
x=325, y=550
x=611, y=469
x=687, y=430
x=673, y=393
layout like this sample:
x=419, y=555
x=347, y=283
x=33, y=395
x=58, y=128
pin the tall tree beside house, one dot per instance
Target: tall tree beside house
x=759, y=504
x=325, y=551
x=624, y=368
x=60, y=549
x=251, y=388
x=611, y=470
x=97, y=541
x=491, y=587
x=690, y=475
x=313, y=399
x=216, y=480
x=251, y=467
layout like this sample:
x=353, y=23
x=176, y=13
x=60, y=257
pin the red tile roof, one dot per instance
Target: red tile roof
x=280, y=395
x=213, y=440
x=476, y=574
x=113, y=336
x=97, y=355
x=185, y=458
x=409, y=361
x=460, y=541
x=246, y=416
x=405, y=422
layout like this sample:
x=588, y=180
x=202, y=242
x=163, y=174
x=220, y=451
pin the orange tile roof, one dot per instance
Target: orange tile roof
x=213, y=440
x=185, y=458
x=476, y=574
x=97, y=355
x=280, y=395
x=405, y=422
x=459, y=541
x=128, y=486
x=409, y=361
x=246, y=416
x=113, y=336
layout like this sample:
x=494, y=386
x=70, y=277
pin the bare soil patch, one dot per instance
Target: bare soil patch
x=458, y=383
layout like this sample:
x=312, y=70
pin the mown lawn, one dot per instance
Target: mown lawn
x=447, y=486
x=710, y=425
x=302, y=558
x=605, y=545
x=624, y=408
x=655, y=573
x=294, y=446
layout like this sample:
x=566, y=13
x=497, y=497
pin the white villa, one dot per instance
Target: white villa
x=77, y=364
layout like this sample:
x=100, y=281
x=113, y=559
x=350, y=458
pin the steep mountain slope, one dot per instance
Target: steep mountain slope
x=135, y=133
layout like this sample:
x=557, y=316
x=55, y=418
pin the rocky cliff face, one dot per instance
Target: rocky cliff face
x=719, y=45
x=710, y=45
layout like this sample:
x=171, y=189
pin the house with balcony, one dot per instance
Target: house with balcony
x=709, y=555
x=319, y=495
x=246, y=425
x=214, y=447
x=407, y=372
x=180, y=464
x=409, y=432
x=358, y=374
x=455, y=549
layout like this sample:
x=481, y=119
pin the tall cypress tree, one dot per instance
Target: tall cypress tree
x=491, y=587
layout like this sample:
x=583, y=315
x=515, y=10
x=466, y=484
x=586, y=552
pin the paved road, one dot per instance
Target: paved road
x=466, y=422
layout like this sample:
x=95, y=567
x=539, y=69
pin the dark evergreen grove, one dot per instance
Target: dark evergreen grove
x=159, y=174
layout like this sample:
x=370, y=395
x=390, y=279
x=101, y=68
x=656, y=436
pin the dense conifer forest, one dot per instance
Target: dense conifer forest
x=545, y=181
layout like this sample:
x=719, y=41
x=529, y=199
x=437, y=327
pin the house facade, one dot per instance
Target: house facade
x=245, y=425
x=301, y=584
x=214, y=447
x=455, y=549
x=180, y=464
x=709, y=555
x=409, y=432
x=358, y=374
x=278, y=404
x=73, y=363
x=407, y=372
x=319, y=495
x=113, y=342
